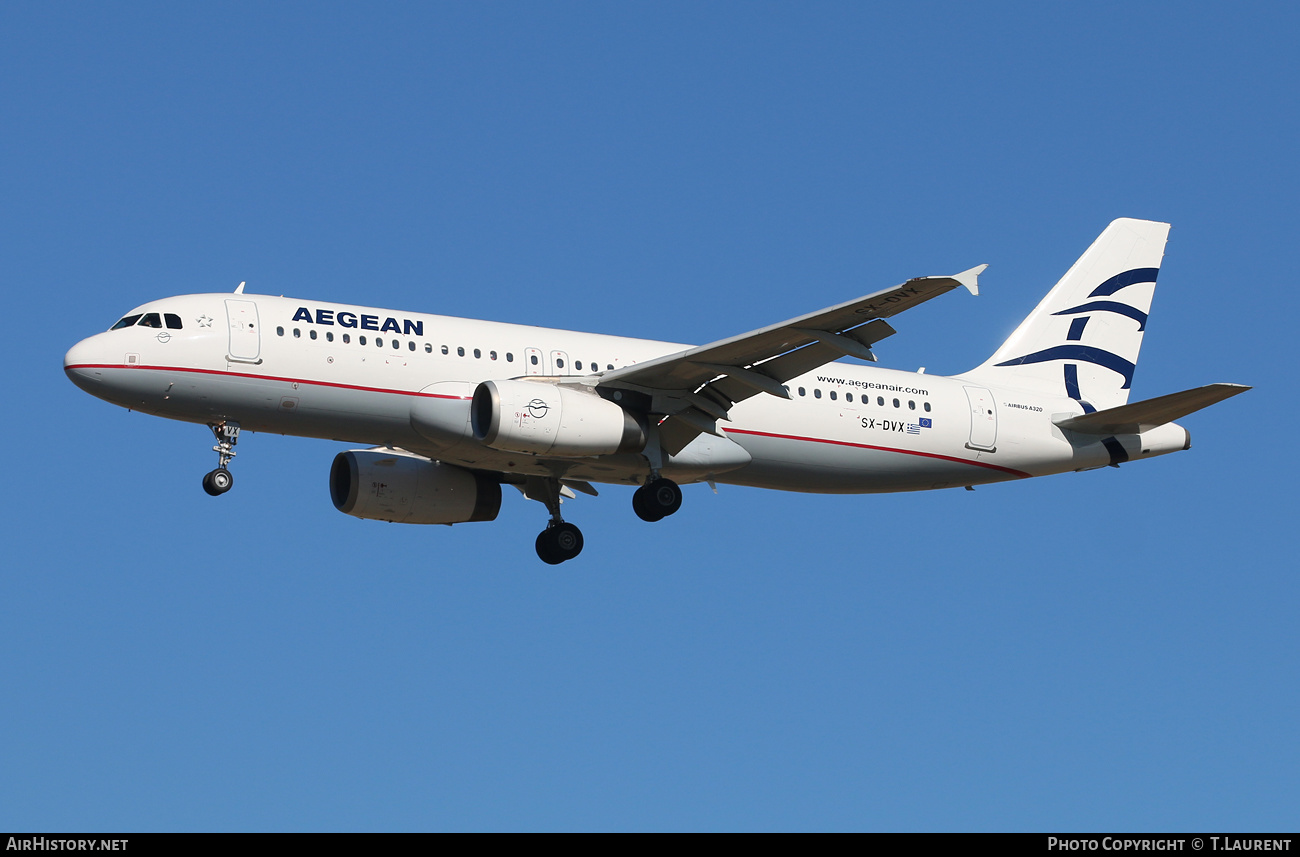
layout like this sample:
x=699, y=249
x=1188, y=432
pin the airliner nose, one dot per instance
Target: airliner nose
x=82, y=367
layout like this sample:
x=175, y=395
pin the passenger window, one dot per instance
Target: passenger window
x=347, y=337
x=460, y=352
x=151, y=319
x=492, y=355
x=911, y=405
x=173, y=320
x=880, y=400
x=559, y=362
x=478, y=355
x=848, y=397
x=444, y=350
x=412, y=344
x=312, y=334
x=397, y=345
x=360, y=339
x=895, y=402
x=379, y=341
x=927, y=407
x=817, y=392
x=126, y=322
x=533, y=358
x=428, y=348
x=832, y=395
x=609, y=366
x=297, y=334
x=329, y=336
x=802, y=391
x=577, y=364
x=510, y=358
x=279, y=331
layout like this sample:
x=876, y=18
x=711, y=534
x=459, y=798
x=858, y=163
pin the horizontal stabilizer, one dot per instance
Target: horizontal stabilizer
x=1142, y=416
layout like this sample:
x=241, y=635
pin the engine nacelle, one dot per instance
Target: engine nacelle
x=392, y=485
x=546, y=419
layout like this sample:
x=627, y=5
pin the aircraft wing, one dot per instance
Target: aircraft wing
x=696, y=387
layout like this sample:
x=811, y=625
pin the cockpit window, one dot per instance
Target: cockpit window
x=173, y=320
x=126, y=322
x=151, y=319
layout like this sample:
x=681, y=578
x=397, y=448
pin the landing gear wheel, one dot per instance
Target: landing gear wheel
x=657, y=499
x=642, y=508
x=559, y=543
x=218, y=482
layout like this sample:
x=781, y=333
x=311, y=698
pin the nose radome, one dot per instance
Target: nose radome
x=83, y=364
x=81, y=354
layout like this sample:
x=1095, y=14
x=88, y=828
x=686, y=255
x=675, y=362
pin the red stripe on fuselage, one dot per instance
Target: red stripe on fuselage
x=263, y=378
x=1018, y=473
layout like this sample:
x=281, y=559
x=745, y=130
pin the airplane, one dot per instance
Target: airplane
x=451, y=409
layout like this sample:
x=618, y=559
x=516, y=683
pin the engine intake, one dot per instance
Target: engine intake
x=547, y=419
x=392, y=485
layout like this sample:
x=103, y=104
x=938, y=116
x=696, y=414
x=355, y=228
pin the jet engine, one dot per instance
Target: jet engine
x=546, y=419
x=394, y=485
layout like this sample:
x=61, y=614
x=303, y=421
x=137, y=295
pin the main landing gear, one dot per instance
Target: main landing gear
x=221, y=480
x=560, y=541
x=656, y=499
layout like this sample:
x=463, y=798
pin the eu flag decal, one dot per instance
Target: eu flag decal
x=926, y=422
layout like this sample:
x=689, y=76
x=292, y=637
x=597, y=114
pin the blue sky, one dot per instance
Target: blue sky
x=1108, y=650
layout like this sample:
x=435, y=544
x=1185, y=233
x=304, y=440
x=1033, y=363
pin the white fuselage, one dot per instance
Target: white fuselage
x=359, y=374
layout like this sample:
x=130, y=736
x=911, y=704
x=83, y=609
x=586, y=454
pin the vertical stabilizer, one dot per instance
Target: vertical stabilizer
x=1083, y=339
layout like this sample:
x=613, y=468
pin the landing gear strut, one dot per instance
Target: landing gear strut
x=221, y=480
x=656, y=499
x=560, y=541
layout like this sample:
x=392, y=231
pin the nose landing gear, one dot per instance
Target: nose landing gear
x=219, y=481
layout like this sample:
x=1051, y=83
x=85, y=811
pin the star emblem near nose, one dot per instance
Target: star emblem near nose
x=204, y=321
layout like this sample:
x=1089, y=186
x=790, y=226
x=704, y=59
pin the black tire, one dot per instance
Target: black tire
x=218, y=482
x=641, y=504
x=666, y=496
x=656, y=500
x=559, y=543
x=546, y=550
x=567, y=540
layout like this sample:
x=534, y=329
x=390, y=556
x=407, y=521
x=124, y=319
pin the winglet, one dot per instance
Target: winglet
x=970, y=278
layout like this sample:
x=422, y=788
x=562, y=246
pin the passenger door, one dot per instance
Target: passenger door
x=245, y=333
x=983, y=419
